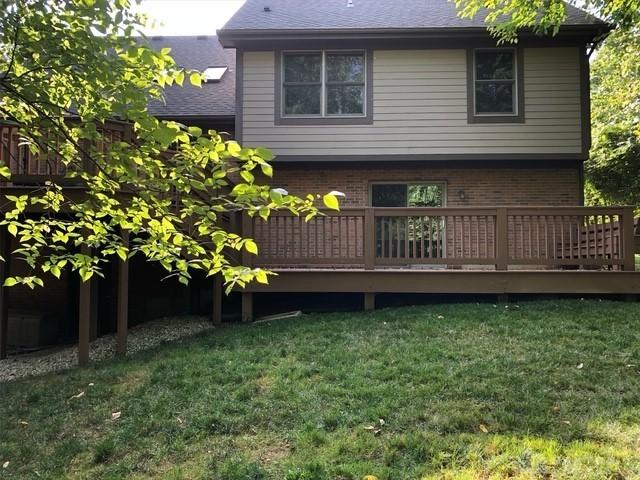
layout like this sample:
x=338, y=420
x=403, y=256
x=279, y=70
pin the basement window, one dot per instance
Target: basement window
x=214, y=74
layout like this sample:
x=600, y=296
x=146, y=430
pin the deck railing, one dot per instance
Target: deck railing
x=486, y=237
x=29, y=167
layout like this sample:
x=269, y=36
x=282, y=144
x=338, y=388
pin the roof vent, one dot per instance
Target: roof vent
x=349, y=3
x=202, y=37
x=214, y=74
x=267, y=8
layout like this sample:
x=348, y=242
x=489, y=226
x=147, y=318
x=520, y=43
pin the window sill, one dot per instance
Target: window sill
x=319, y=121
x=496, y=118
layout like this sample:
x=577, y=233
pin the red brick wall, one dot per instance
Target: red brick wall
x=488, y=186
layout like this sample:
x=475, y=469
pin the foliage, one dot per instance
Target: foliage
x=69, y=67
x=614, y=167
x=556, y=385
x=505, y=18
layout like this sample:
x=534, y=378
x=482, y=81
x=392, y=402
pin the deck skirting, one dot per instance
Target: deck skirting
x=450, y=281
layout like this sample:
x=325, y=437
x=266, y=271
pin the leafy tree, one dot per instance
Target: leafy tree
x=614, y=167
x=67, y=68
x=505, y=18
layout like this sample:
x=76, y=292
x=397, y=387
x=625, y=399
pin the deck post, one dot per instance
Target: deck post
x=369, y=302
x=216, y=314
x=93, y=325
x=502, y=239
x=369, y=239
x=5, y=251
x=628, y=240
x=247, y=307
x=123, y=301
x=84, y=317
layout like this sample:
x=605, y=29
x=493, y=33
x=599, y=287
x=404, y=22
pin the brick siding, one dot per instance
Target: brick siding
x=482, y=187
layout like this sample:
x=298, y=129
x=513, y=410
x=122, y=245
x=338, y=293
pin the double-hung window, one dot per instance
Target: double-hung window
x=323, y=86
x=496, y=83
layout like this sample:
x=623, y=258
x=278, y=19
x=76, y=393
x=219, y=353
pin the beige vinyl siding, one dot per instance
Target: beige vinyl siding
x=420, y=107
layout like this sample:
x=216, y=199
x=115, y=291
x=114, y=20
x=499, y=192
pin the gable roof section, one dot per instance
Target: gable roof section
x=213, y=99
x=364, y=16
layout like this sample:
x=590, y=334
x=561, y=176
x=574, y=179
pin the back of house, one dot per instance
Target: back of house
x=404, y=103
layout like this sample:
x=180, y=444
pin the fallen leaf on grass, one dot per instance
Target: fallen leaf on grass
x=382, y=422
x=373, y=429
x=5, y=465
x=116, y=415
x=79, y=395
x=483, y=428
x=179, y=420
x=22, y=422
x=580, y=366
x=370, y=477
x=566, y=422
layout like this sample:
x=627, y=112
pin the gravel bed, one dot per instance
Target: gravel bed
x=141, y=337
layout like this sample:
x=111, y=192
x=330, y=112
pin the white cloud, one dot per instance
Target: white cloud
x=188, y=17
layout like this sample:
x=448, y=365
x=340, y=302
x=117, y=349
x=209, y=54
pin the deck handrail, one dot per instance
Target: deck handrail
x=494, y=236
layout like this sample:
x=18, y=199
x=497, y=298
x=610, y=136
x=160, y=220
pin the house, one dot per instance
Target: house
x=461, y=160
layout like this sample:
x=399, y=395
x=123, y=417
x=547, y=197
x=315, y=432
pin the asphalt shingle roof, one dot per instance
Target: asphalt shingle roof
x=214, y=99
x=365, y=14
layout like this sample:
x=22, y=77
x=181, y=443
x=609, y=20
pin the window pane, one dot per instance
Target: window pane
x=494, y=98
x=494, y=66
x=302, y=100
x=303, y=68
x=389, y=195
x=426, y=195
x=345, y=68
x=345, y=100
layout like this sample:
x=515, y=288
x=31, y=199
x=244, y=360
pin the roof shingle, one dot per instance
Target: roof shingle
x=365, y=14
x=214, y=99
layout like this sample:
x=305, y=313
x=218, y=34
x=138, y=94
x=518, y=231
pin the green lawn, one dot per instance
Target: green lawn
x=541, y=390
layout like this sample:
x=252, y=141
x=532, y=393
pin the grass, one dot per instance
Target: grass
x=545, y=390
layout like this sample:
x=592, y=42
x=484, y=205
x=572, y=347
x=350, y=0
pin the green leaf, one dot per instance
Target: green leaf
x=10, y=282
x=13, y=229
x=55, y=271
x=251, y=247
x=195, y=78
x=247, y=176
x=267, y=170
x=331, y=201
x=265, y=153
x=5, y=172
x=195, y=131
x=261, y=277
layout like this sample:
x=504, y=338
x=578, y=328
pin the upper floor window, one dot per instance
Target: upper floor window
x=495, y=88
x=328, y=86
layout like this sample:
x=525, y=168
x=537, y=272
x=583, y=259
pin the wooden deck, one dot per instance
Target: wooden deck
x=482, y=250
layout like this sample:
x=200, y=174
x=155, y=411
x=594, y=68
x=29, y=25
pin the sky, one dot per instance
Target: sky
x=188, y=17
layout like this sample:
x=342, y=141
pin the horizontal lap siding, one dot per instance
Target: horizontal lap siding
x=420, y=107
